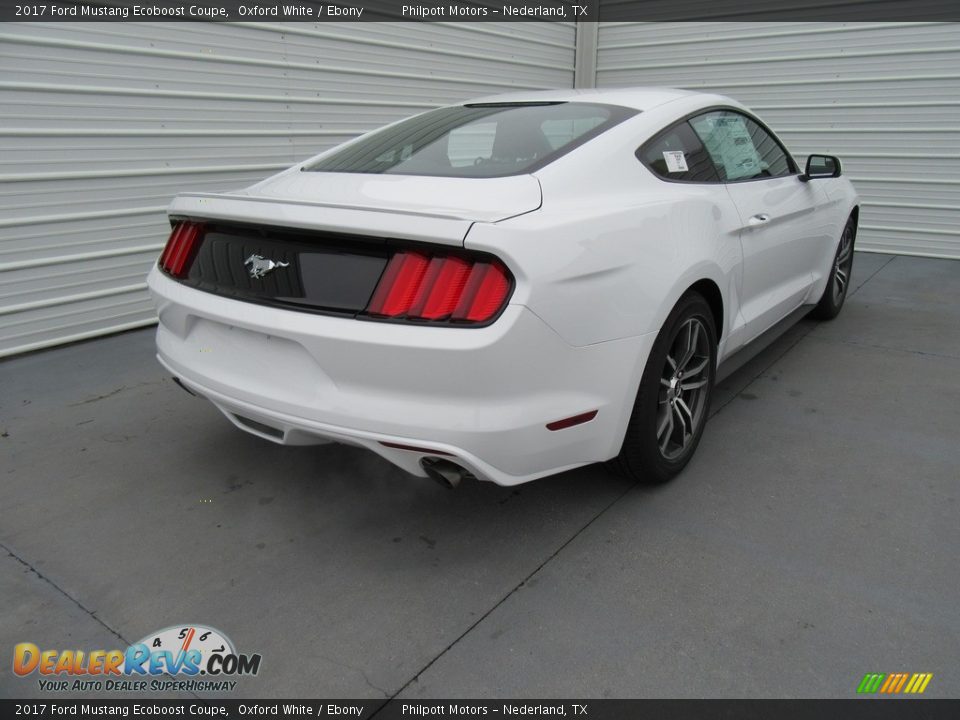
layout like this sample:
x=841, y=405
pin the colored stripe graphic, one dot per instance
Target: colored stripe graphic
x=870, y=683
x=900, y=682
x=894, y=683
x=923, y=679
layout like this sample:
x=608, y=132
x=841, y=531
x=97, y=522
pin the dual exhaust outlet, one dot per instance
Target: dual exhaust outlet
x=445, y=472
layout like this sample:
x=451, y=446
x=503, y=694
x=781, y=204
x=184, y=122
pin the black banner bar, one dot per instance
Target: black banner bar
x=310, y=11
x=875, y=708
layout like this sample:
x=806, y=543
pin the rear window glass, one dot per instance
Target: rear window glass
x=476, y=140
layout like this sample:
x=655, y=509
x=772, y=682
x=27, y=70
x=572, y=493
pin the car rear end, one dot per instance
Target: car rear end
x=346, y=307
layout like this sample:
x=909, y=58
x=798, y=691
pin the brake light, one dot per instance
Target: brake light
x=440, y=288
x=181, y=248
x=486, y=289
x=400, y=281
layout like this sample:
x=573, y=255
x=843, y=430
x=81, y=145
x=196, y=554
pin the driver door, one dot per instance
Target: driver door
x=778, y=231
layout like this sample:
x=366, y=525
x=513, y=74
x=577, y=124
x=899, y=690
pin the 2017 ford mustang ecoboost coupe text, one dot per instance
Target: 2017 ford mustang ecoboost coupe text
x=506, y=288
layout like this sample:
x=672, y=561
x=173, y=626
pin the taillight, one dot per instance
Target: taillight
x=181, y=248
x=416, y=286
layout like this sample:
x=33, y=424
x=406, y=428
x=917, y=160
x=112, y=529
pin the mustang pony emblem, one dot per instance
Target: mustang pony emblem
x=258, y=266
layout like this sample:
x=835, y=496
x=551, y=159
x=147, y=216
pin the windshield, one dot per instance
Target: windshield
x=477, y=141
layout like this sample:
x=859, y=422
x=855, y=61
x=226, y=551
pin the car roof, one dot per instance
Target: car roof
x=639, y=98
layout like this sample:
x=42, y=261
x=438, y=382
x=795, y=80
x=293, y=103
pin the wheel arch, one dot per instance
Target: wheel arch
x=713, y=284
x=711, y=293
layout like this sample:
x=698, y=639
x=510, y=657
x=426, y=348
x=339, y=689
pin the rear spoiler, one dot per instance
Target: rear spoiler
x=303, y=215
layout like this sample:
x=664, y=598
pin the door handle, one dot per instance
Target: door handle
x=758, y=219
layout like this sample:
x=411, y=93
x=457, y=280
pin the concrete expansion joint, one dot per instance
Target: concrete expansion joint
x=75, y=601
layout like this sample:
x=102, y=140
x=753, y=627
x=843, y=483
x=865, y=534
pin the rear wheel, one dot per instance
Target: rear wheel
x=674, y=396
x=839, y=283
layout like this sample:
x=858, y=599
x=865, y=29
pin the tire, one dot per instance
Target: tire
x=657, y=445
x=835, y=293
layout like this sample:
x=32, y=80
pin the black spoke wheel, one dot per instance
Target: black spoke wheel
x=674, y=397
x=838, y=283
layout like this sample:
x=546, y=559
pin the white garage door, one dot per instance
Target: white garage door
x=101, y=124
x=885, y=97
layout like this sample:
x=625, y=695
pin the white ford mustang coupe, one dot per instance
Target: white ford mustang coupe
x=506, y=288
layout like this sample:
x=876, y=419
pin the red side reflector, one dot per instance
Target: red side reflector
x=181, y=248
x=571, y=421
x=414, y=448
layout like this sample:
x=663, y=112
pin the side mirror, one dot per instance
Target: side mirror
x=821, y=166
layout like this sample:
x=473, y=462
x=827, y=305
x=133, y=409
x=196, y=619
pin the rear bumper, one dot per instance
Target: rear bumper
x=481, y=395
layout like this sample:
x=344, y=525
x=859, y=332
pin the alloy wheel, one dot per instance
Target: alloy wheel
x=842, y=265
x=684, y=389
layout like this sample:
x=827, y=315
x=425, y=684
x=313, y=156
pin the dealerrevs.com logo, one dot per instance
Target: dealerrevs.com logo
x=178, y=658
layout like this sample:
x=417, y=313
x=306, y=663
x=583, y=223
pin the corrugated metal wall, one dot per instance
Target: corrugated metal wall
x=101, y=124
x=883, y=96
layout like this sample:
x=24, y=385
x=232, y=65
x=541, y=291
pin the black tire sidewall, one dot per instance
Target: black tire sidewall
x=640, y=446
x=828, y=308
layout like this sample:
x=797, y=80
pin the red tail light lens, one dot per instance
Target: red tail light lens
x=440, y=288
x=398, y=285
x=484, y=293
x=181, y=248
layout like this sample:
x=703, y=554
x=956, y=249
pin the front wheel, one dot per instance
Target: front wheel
x=674, y=396
x=839, y=283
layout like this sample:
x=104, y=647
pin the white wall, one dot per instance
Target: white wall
x=101, y=124
x=885, y=97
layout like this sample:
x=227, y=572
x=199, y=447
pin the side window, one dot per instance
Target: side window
x=740, y=148
x=678, y=154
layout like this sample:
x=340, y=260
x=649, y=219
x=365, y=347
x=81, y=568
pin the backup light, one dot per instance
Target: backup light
x=181, y=248
x=415, y=286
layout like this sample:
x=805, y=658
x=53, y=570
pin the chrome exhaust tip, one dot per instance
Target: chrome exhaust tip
x=447, y=473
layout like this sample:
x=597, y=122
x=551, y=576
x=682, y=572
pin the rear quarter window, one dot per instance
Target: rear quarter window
x=677, y=154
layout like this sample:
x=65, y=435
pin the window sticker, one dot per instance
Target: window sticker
x=728, y=141
x=676, y=160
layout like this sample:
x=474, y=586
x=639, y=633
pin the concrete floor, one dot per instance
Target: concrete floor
x=814, y=537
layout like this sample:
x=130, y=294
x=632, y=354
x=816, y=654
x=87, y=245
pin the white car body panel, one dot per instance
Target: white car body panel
x=481, y=199
x=409, y=385
x=601, y=250
x=779, y=253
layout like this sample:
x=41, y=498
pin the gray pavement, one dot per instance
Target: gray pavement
x=813, y=538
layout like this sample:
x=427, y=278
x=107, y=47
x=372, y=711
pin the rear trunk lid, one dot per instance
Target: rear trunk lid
x=319, y=242
x=480, y=199
x=327, y=273
x=428, y=209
